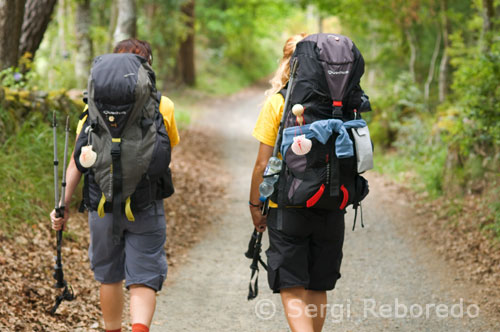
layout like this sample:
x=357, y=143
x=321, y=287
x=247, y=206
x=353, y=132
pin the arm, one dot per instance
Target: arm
x=73, y=176
x=265, y=152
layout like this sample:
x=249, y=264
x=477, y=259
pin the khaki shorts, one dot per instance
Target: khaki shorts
x=139, y=258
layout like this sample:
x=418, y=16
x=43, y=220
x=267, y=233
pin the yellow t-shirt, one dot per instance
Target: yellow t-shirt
x=268, y=123
x=266, y=128
x=166, y=109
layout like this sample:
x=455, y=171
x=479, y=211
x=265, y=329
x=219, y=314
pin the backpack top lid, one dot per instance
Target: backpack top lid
x=117, y=82
x=115, y=77
x=330, y=69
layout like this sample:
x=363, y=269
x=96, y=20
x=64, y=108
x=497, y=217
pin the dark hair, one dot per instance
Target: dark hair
x=135, y=46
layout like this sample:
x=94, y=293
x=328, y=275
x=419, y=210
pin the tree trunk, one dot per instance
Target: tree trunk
x=413, y=53
x=61, y=31
x=186, y=51
x=444, y=66
x=37, y=16
x=320, y=22
x=150, y=10
x=126, y=24
x=432, y=67
x=488, y=19
x=11, y=22
x=112, y=23
x=84, y=43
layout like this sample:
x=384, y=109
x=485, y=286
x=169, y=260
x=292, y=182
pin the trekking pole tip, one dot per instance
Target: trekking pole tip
x=54, y=123
x=67, y=123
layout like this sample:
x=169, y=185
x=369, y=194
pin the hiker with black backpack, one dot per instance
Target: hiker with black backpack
x=311, y=117
x=123, y=147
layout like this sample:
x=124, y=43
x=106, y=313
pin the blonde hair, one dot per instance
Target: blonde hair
x=282, y=74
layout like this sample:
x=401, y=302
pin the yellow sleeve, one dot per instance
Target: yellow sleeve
x=167, y=110
x=81, y=122
x=268, y=122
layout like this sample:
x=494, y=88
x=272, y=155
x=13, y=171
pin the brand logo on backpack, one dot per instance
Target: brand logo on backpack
x=113, y=113
x=331, y=72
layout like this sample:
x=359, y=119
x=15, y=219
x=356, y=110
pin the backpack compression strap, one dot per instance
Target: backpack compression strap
x=117, y=188
x=117, y=191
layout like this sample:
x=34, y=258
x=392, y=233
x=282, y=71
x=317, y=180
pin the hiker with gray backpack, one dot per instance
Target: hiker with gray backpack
x=313, y=147
x=123, y=148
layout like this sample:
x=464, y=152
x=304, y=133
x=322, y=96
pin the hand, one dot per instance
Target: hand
x=259, y=221
x=59, y=223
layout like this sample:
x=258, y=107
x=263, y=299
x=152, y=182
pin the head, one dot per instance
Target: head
x=282, y=74
x=135, y=46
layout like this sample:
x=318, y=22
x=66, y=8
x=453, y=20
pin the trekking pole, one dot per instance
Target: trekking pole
x=295, y=65
x=274, y=165
x=67, y=293
x=266, y=189
x=254, y=250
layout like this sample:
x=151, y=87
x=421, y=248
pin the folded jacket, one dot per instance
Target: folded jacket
x=322, y=130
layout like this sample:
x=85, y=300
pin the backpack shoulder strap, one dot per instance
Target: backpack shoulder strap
x=283, y=91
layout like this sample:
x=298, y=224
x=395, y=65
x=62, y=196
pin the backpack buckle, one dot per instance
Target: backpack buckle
x=337, y=109
x=115, y=146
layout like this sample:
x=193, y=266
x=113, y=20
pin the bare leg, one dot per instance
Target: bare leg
x=112, y=305
x=142, y=304
x=296, y=310
x=318, y=300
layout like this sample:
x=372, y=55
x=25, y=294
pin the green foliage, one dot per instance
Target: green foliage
x=477, y=93
x=27, y=194
x=223, y=80
x=161, y=23
x=25, y=158
x=420, y=158
x=26, y=152
x=18, y=78
x=425, y=152
x=182, y=117
x=242, y=35
x=391, y=109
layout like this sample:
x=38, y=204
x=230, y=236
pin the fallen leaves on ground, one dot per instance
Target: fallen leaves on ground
x=454, y=230
x=27, y=258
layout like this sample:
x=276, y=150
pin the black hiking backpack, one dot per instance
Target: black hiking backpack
x=325, y=151
x=126, y=131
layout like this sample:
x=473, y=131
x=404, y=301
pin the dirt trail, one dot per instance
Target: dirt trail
x=383, y=272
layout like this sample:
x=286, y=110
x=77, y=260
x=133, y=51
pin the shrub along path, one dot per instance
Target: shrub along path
x=387, y=265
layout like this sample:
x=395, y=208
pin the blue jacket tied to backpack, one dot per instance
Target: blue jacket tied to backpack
x=322, y=130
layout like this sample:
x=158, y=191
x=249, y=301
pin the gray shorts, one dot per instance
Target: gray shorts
x=139, y=258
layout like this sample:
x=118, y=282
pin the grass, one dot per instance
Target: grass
x=223, y=80
x=422, y=170
x=494, y=213
x=27, y=194
x=420, y=175
x=182, y=116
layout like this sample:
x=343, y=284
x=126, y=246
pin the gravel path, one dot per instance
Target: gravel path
x=383, y=270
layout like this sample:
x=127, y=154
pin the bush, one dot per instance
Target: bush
x=26, y=153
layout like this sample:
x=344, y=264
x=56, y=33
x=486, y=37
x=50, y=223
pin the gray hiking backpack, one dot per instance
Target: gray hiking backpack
x=123, y=148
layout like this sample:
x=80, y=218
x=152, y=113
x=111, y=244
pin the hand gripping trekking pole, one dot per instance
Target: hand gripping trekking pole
x=67, y=293
x=254, y=249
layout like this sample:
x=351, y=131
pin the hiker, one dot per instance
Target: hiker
x=130, y=245
x=306, y=211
